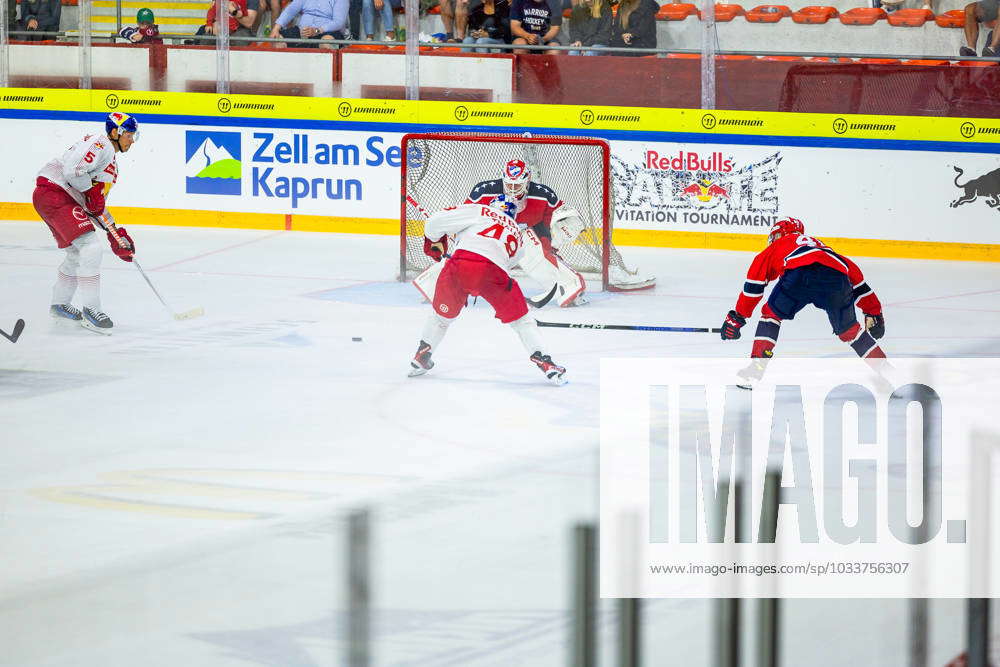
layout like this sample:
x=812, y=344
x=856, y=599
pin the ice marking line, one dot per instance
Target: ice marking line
x=949, y=296
x=213, y=252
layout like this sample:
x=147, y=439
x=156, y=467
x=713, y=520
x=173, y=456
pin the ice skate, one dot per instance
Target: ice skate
x=553, y=372
x=421, y=361
x=96, y=321
x=752, y=374
x=65, y=311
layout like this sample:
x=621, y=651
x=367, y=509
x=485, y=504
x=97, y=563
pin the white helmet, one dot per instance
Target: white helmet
x=516, y=179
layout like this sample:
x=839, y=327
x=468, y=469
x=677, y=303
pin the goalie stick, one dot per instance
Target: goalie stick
x=626, y=327
x=111, y=229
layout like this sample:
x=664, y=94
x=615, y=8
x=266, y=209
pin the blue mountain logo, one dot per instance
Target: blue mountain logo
x=213, y=163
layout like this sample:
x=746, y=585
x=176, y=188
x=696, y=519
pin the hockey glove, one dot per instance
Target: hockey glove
x=94, y=198
x=436, y=249
x=123, y=253
x=875, y=325
x=732, y=325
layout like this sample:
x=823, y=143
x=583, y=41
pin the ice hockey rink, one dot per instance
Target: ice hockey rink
x=174, y=494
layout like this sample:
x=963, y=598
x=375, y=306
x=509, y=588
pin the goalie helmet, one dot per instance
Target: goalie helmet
x=504, y=205
x=784, y=227
x=516, y=179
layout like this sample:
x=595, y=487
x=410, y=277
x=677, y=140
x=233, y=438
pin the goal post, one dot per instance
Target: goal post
x=442, y=169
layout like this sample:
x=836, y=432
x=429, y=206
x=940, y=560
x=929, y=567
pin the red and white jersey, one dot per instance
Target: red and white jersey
x=88, y=160
x=794, y=251
x=478, y=229
x=539, y=204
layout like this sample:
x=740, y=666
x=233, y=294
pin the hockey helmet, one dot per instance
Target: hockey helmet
x=784, y=227
x=121, y=122
x=516, y=179
x=504, y=205
x=144, y=15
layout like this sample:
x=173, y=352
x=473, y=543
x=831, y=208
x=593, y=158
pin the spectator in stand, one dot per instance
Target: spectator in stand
x=985, y=12
x=146, y=32
x=590, y=25
x=40, y=16
x=321, y=20
x=240, y=22
x=536, y=22
x=455, y=18
x=12, y=16
x=384, y=8
x=354, y=10
x=273, y=9
x=635, y=25
x=489, y=23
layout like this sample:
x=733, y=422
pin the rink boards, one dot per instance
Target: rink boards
x=873, y=185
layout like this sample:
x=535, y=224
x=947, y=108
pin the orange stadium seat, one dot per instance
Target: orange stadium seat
x=910, y=18
x=675, y=11
x=925, y=62
x=880, y=61
x=436, y=9
x=814, y=14
x=951, y=19
x=862, y=16
x=976, y=63
x=727, y=12
x=768, y=13
x=782, y=59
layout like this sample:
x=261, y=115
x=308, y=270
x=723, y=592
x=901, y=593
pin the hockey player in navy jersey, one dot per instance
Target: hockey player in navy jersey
x=808, y=272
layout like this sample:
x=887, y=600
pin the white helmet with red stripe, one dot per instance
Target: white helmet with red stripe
x=516, y=179
x=784, y=227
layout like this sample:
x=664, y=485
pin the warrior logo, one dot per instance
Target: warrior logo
x=987, y=185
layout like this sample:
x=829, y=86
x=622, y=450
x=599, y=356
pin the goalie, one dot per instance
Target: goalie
x=550, y=222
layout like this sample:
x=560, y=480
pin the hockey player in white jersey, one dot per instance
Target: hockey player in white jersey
x=487, y=243
x=69, y=195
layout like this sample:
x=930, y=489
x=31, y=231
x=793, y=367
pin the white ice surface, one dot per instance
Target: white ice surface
x=173, y=494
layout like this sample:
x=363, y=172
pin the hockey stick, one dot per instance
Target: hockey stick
x=541, y=302
x=186, y=315
x=15, y=333
x=122, y=243
x=626, y=327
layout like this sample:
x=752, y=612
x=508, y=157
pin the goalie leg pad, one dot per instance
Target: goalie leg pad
x=427, y=280
x=539, y=265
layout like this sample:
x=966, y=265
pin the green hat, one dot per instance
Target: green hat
x=144, y=16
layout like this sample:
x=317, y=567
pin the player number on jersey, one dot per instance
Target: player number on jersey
x=495, y=232
x=806, y=240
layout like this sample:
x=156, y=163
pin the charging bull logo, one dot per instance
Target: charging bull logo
x=704, y=191
x=987, y=185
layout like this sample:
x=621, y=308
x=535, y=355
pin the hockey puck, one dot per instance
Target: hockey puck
x=356, y=339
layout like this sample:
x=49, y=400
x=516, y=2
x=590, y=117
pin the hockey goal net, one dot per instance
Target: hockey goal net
x=441, y=170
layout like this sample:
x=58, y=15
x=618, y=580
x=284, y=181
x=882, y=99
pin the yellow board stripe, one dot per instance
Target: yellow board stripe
x=977, y=252
x=160, y=20
x=572, y=117
x=192, y=6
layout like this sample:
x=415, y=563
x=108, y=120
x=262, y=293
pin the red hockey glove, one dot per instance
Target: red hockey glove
x=732, y=325
x=436, y=249
x=94, y=197
x=123, y=253
x=875, y=325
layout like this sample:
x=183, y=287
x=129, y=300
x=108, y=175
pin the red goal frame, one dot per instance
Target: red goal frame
x=605, y=148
